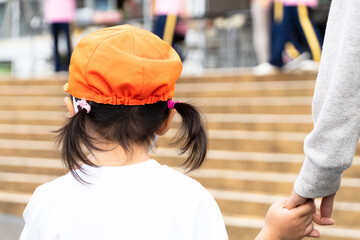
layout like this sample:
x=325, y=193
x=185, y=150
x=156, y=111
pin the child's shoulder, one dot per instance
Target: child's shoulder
x=176, y=179
x=46, y=195
x=54, y=187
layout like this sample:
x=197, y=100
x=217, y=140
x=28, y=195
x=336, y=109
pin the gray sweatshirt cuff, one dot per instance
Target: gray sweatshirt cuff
x=315, y=181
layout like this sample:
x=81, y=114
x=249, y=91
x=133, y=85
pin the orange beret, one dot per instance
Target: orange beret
x=123, y=65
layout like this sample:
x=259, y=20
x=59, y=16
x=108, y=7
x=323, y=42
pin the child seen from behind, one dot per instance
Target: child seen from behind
x=121, y=84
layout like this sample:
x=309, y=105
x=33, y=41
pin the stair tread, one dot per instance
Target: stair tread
x=261, y=176
x=210, y=117
x=213, y=133
x=30, y=162
x=26, y=177
x=199, y=101
x=202, y=173
x=243, y=86
x=14, y=197
x=171, y=152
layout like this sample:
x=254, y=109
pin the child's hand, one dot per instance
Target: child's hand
x=285, y=224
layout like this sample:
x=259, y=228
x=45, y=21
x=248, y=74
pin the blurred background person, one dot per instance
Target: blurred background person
x=293, y=32
x=168, y=22
x=60, y=14
x=260, y=13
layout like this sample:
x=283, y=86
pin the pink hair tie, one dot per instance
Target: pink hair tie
x=83, y=104
x=171, y=103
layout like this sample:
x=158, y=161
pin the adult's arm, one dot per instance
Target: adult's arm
x=330, y=147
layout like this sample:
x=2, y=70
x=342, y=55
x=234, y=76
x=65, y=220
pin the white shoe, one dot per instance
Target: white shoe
x=265, y=69
x=309, y=66
x=295, y=64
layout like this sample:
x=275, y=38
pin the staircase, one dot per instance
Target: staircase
x=256, y=130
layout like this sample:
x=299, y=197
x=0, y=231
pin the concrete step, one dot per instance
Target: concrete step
x=41, y=166
x=216, y=159
x=261, y=144
x=248, y=161
x=13, y=202
x=230, y=180
x=245, y=89
x=241, y=76
x=48, y=89
x=20, y=138
x=200, y=89
x=261, y=126
x=231, y=140
x=16, y=116
x=255, y=105
x=250, y=122
x=269, y=183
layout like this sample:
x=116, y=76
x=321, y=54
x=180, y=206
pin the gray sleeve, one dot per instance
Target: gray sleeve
x=330, y=147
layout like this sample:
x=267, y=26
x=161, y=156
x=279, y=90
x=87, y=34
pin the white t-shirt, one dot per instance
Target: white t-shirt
x=145, y=201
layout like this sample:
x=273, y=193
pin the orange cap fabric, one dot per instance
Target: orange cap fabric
x=123, y=65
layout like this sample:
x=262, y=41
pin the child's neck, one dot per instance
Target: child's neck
x=116, y=155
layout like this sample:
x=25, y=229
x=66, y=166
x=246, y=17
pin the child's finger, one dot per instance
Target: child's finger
x=294, y=201
x=310, y=230
x=314, y=233
x=306, y=209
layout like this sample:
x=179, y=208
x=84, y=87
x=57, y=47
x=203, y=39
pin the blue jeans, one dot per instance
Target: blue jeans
x=56, y=29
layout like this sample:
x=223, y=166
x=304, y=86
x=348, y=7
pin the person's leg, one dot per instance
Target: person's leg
x=55, y=33
x=281, y=28
x=169, y=29
x=261, y=31
x=160, y=26
x=66, y=28
x=309, y=32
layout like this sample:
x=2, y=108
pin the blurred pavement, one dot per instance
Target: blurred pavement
x=10, y=227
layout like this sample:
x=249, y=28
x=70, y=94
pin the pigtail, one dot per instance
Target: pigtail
x=192, y=135
x=71, y=137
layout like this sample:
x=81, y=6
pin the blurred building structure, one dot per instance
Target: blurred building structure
x=219, y=33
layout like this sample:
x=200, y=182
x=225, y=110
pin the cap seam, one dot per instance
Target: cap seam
x=142, y=61
x=143, y=77
x=90, y=59
x=155, y=46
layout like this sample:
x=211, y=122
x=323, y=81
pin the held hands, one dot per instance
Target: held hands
x=322, y=218
x=289, y=224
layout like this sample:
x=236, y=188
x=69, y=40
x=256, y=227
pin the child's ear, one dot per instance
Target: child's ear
x=165, y=126
x=69, y=106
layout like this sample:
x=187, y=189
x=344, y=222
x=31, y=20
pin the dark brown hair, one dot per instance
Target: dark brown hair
x=128, y=125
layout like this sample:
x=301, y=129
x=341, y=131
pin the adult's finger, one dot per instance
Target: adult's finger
x=322, y=220
x=324, y=217
x=294, y=201
x=326, y=206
